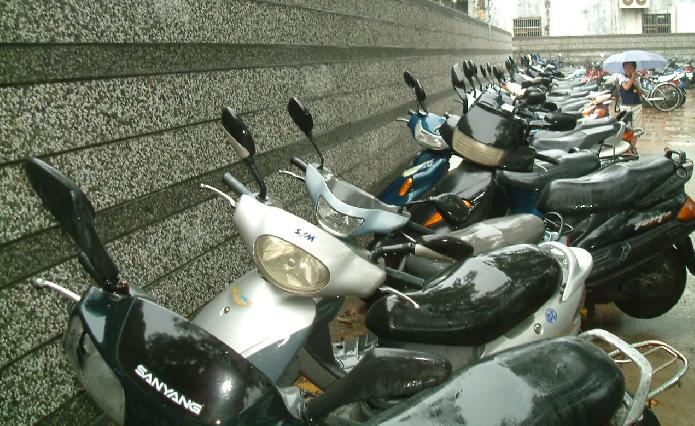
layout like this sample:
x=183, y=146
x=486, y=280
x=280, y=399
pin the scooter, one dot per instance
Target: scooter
x=465, y=291
x=295, y=260
x=635, y=218
x=430, y=164
x=142, y=363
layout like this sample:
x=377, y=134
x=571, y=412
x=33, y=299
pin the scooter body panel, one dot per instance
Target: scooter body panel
x=169, y=370
x=470, y=182
x=484, y=236
x=349, y=273
x=425, y=170
x=262, y=323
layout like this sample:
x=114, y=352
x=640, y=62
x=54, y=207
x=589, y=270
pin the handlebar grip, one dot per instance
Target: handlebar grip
x=419, y=228
x=301, y=165
x=235, y=185
x=547, y=159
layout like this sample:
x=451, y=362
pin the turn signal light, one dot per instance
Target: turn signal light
x=405, y=187
x=433, y=220
x=629, y=136
x=687, y=211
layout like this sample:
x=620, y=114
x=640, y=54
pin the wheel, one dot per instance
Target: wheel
x=683, y=97
x=648, y=419
x=666, y=97
x=654, y=290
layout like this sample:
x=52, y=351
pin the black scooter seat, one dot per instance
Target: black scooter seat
x=561, y=381
x=569, y=166
x=582, y=124
x=581, y=139
x=617, y=186
x=573, y=106
x=472, y=302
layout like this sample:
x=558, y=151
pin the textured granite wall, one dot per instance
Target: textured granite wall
x=589, y=48
x=124, y=97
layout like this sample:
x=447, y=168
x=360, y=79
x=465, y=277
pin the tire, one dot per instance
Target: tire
x=670, y=97
x=648, y=419
x=684, y=96
x=656, y=289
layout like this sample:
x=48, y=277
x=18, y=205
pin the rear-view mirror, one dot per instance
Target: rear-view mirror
x=452, y=208
x=301, y=116
x=239, y=134
x=382, y=373
x=76, y=216
x=449, y=246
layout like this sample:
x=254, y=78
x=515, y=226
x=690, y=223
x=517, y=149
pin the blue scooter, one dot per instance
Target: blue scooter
x=430, y=164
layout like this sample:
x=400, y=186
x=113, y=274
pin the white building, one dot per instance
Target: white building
x=586, y=17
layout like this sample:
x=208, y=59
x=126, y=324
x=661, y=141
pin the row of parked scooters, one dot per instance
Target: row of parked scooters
x=475, y=277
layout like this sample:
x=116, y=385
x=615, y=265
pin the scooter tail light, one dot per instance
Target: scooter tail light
x=687, y=211
x=433, y=220
x=405, y=187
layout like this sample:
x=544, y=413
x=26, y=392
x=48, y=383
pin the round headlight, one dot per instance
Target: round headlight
x=338, y=224
x=288, y=266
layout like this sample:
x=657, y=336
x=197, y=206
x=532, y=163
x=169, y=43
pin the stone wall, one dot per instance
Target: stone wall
x=125, y=98
x=589, y=48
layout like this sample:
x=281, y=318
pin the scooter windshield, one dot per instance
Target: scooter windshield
x=345, y=210
x=490, y=136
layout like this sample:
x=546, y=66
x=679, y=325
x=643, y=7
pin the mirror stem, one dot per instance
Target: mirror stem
x=263, y=190
x=318, y=151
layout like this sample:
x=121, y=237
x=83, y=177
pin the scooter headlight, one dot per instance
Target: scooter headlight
x=335, y=222
x=427, y=139
x=288, y=266
x=93, y=372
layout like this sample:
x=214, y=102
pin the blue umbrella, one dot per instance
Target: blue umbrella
x=645, y=60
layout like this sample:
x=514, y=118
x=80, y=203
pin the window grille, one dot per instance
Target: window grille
x=527, y=27
x=656, y=23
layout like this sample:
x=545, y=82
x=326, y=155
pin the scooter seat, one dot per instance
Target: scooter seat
x=472, y=302
x=573, y=106
x=617, y=186
x=561, y=381
x=582, y=123
x=569, y=166
x=581, y=139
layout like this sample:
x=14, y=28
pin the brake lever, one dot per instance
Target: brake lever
x=294, y=175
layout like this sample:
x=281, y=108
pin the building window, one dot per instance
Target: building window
x=656, y=23
x=527, y=27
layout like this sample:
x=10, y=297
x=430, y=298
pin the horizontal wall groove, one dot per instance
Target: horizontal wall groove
x=106, y=217
x=110, y=61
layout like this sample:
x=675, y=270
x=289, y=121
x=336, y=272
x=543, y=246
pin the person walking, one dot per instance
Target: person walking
x=630, y=92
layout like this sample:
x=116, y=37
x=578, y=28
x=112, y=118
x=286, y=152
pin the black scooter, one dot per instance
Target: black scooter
x=635, y=219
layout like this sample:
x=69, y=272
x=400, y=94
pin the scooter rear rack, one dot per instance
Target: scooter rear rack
x=625, y=353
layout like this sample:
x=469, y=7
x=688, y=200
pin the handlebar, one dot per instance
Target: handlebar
x=236, y=186
x=547, y=159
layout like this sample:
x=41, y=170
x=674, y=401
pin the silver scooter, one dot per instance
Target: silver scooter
x=480, y=306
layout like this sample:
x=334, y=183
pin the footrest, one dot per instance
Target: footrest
x=349, y=352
